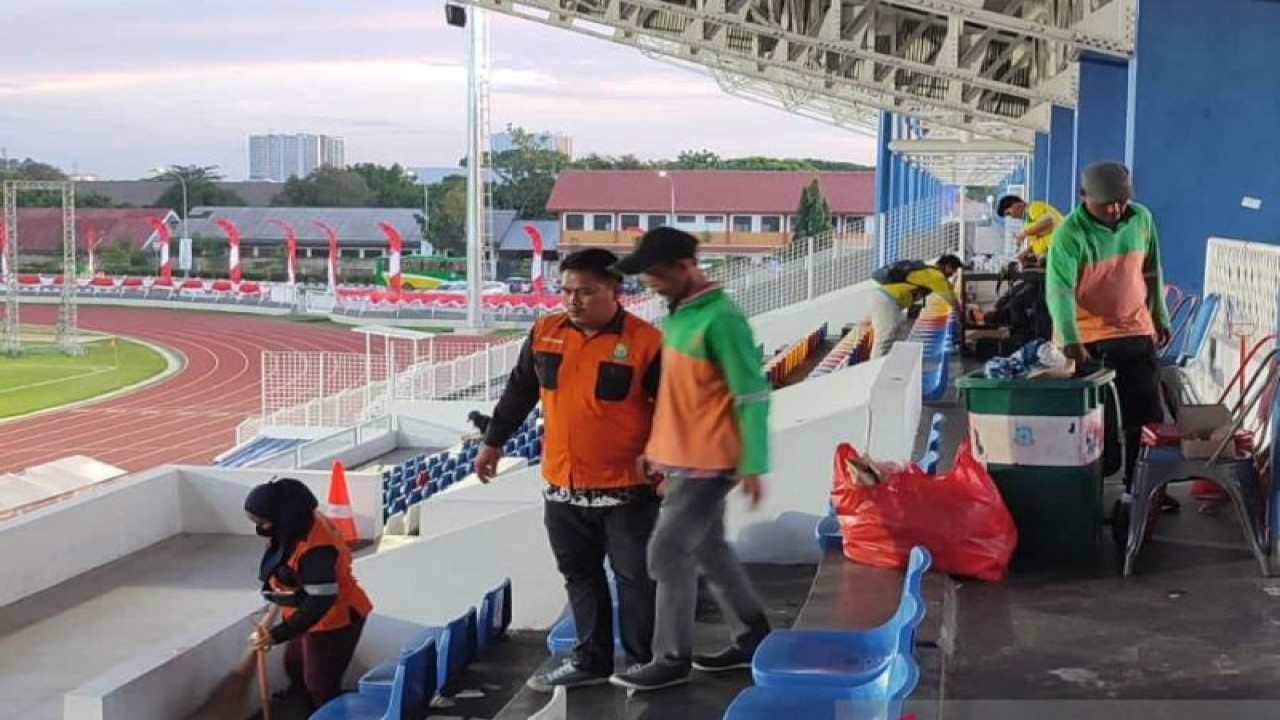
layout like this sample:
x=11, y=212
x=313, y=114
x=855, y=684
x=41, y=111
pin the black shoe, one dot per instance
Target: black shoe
x=566, y=676
x=651, y=677
x=731, y=658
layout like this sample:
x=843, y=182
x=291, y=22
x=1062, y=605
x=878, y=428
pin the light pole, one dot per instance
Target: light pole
x=185, y=240
x=426, y=211
x=672, y=182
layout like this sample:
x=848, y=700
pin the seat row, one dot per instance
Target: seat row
x=935, y=329
x=778, y=367
x=429, y=664
x=839, y=674
x=853, y=348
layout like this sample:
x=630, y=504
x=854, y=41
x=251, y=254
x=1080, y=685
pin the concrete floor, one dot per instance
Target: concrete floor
x=57, y=640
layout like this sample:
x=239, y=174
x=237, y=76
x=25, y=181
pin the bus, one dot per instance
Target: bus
x=423, y=272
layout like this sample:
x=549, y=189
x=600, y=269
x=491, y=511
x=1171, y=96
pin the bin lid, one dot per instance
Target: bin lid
x=977, y=381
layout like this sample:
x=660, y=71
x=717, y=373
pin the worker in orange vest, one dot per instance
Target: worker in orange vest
x=306, y=570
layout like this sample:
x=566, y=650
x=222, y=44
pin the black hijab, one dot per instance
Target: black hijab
x=290, y=506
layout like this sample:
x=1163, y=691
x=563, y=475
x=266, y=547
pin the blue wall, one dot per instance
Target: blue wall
x=1062, y=158
x=1102, y=113
x=1040, y=168
x=1204, y=116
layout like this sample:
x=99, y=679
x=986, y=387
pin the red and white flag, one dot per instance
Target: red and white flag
x=233, y=237
x=163, y=235
x=333, y=254
x=535, y=274
x=397, y=247
x=291, y=250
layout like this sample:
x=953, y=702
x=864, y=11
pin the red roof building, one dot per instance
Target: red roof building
x=40, y=229
x=732, y=211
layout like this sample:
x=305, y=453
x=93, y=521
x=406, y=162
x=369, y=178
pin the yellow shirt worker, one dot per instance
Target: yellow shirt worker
x=1038, y=217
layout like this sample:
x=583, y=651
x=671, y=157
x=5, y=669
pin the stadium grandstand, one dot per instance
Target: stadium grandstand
x=130, y=565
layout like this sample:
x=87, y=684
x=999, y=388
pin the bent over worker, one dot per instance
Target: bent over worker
x=1039, y=219
x=901, y=285
x=595, y=368
x=306, y=569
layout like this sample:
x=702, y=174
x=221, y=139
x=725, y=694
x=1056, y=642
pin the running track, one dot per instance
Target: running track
x=189, y=418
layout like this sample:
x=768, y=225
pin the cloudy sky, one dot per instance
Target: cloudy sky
x=114, y=87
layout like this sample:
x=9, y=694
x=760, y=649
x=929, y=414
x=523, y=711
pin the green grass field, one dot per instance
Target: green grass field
x=44, y=378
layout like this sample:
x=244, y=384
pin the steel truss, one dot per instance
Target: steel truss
x=67, y=332
x=990, y=68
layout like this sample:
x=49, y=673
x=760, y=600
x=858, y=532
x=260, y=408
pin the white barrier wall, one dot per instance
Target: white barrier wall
x=211, y=500
x=48, y=546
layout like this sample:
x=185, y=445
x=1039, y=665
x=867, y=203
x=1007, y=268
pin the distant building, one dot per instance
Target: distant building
x=503, y=141
x=145, y=193
x=730, y=211
x=40, y=232
x=280, y=157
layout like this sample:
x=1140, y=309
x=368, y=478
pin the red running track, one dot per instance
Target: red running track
x=190, y=417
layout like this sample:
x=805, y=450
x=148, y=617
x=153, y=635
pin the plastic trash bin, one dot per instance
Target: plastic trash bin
x=1042, y=441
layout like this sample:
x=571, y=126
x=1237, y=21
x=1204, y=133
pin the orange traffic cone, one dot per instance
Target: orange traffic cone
x=340, y=504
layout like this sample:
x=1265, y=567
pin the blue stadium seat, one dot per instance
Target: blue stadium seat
x=406, y=697
x=844, y=658
x=827, y=532
x=879, y=700
x=457, y=649
x=495, y=615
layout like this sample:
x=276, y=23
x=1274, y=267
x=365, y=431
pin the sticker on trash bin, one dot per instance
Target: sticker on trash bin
x=1043, y=441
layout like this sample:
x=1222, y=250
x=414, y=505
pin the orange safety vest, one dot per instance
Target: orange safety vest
x=351, y=597
x=596, y=410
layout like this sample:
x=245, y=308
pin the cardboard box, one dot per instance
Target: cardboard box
x=1202, y=429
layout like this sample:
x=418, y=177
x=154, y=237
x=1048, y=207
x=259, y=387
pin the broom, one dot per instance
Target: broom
x=227, y=696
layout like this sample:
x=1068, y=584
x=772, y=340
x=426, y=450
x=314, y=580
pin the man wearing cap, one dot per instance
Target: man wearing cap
x=710, y=434
x=1105, y=291
x=595, y=368
x=1039, y=219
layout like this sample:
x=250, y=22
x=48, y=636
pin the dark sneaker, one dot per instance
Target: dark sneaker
x=651, y=677
x=731, y=658
x=566, y=676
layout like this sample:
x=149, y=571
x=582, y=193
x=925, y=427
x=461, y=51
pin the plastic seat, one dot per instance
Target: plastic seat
x=827, y=533
x=879, y=700
x=495, y=615
x=844, y=658
x=1183, y=353
x=406, y=697
x=456, y=643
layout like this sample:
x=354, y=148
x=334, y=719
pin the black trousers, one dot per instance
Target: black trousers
x=1137, y=372
x=316, y=661
x=581, y=538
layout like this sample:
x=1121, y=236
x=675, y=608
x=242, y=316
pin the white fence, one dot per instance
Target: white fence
x=305, y=390
x=1247, y=277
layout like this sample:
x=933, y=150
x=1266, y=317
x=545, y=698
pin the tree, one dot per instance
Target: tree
x=326, y=187
x=526, y=174
x=447, y=227
x=813, y=216
x=696, y=160
x=202, y=188
x=608, y=162
x=391, y=186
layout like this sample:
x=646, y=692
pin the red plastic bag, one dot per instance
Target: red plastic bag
x=958, y=515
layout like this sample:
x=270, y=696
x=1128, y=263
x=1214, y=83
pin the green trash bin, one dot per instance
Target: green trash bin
x=1042, y=441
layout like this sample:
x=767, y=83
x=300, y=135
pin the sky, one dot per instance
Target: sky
x=116, y=87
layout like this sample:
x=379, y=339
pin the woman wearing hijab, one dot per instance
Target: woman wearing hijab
x=307, y=571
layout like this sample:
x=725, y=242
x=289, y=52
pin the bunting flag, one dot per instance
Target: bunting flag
x=333, y=254
x=4, y=255
x=162, y=232
x=91, y=242
x=397, y=247
x=535, y=272
x=233, y=236
x=291, y=246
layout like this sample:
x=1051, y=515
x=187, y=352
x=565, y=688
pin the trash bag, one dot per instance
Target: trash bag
x=958, y=515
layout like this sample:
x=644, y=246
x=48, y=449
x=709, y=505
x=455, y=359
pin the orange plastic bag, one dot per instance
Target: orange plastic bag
x=958, y=515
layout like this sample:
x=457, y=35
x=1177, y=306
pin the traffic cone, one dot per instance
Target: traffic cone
x=340, y=504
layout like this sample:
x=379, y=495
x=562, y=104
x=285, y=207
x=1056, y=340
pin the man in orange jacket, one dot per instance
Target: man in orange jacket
x=595, y=370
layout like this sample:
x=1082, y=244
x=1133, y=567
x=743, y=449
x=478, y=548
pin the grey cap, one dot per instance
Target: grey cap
x=1106, y=182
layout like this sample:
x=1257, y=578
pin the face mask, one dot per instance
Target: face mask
x=264, y=532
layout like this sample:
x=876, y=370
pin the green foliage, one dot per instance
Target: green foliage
x=526, y=174
x=119, y=258
x=392, y=187
x=813, y=216
x=202, y=188
x=447, y=227
x=326, y=187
